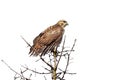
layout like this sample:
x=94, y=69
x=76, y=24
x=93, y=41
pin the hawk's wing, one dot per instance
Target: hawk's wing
x=37, y=38
x=47, y=40
x=52, y=45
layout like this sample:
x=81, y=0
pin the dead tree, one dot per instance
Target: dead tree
x=53, y=62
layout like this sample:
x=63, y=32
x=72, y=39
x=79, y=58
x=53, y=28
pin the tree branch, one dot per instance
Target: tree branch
x=16, y=73
x=46, y=63
x=68, y=59
x=35, y=70
x=26, y=42
x=66, y=66
x=61, y=52
x=53, y=63
x=54, y=74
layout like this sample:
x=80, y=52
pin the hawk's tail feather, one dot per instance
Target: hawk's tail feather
x=35, y=50
x=48, y=49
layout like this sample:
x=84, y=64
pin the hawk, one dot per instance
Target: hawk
x=48, y=40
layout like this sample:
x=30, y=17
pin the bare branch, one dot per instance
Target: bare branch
x=61, y=52
x=45, y=78
x=46, y=63
x=10, y=68
x=73, y=46
x=68, y=60
x=35, y=70
x=46, y=69
x=52, y=61
x=66, y=51
x=16, y=73
x=66, y=66
x=26, y=42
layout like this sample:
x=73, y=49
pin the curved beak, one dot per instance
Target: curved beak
x=67, y=24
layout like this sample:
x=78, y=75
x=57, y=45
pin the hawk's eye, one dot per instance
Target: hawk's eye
x=64, y=21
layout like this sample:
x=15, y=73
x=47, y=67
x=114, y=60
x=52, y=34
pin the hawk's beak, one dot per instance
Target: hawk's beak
x=67, y=24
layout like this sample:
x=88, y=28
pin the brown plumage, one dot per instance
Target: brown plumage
x=49, y=39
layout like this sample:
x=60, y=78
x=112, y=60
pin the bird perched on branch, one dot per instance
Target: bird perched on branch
x=48, y=40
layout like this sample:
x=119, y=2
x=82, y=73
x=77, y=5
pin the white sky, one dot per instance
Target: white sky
x=94, y=23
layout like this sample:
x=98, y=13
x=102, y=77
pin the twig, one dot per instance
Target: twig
x=61, y=52
x=11, y=68
x=68, y=60
x=46, y=63
x=66, y=66
x=30, y=76
x=26, y=42
x=16, y=73
x=35, y=70
x=73, y=46
x=46, y=69
x=45, y=78
x=50, y=60
x=66, y=51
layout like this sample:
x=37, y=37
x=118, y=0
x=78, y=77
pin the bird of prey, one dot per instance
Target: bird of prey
x=48, y=40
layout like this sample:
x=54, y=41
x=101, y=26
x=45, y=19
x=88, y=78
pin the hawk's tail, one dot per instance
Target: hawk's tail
x=35, y=50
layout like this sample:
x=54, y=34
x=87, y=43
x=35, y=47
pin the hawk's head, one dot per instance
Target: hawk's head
x=62, y=23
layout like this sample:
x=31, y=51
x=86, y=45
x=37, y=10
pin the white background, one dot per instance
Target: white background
x=94, y=23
